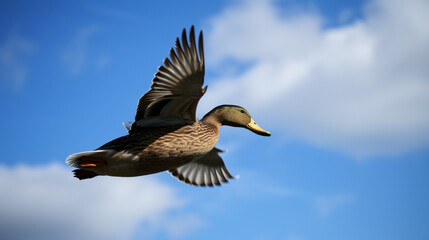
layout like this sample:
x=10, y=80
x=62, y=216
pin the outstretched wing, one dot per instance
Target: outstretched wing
x=176, y=88
x=207, y=171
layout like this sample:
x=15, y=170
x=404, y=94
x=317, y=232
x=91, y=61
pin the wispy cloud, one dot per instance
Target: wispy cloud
x=326, y=204
x=360, y=87
x=14, y=53
x=255, y=185
x=77, y=55
x=46, y=202
x=116, y=13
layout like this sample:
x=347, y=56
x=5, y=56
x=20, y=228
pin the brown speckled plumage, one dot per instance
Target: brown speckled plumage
x=163, y=148
x=166, y=134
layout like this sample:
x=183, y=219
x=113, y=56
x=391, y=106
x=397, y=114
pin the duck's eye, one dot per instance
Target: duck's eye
x=242, y=111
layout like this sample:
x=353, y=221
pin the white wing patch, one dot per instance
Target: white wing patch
x=127, y=125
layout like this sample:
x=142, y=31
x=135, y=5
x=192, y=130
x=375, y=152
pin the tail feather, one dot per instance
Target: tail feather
x=74, y=160
x=84, y=174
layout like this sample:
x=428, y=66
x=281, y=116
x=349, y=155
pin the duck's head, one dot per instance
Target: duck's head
x=235, y=116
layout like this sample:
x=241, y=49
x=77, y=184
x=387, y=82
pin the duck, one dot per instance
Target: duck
x=166, y=135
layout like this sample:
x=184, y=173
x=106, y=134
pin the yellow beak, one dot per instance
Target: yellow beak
x=252, y=126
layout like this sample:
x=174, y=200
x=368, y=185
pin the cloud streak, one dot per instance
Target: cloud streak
x=14, y=53
x=327, y=203
x=361, y=87
x=78, y=56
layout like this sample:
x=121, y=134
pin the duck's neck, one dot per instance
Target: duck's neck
x=213, y=118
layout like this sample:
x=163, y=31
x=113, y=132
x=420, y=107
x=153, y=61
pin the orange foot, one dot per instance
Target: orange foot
x=91, y=162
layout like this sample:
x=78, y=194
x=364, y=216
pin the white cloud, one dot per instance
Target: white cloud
x=46, y=202
x=78, y=55
x=361, y=87
x=13, y=55
x=181, y=226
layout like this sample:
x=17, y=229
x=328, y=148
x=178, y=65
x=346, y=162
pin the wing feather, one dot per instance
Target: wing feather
x=209, y=170
x=177, y=86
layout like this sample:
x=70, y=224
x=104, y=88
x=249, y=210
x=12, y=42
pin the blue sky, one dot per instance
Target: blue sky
x=343, y=87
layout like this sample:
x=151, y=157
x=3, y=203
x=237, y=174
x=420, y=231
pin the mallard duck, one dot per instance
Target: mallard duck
x=166, y=135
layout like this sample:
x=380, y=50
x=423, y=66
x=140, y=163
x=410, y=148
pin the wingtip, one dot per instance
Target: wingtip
x=184, y=37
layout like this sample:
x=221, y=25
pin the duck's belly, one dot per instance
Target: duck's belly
x=146, y=156
x=138, y=166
